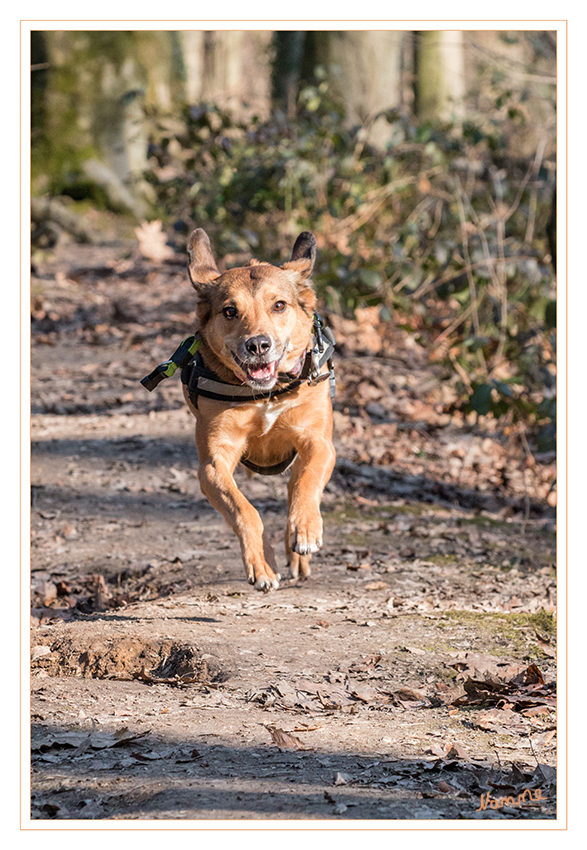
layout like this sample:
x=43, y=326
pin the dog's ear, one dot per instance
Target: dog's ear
x=303, y=255
x=202, y=266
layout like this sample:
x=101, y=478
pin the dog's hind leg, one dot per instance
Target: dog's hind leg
x=298, y=564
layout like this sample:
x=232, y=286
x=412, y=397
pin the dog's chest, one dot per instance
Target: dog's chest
x=268, y=415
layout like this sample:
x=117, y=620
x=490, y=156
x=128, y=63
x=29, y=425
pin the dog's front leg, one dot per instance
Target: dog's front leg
x=309, y=476
x=219, y=487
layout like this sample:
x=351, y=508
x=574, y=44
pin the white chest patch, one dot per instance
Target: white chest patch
x=269, y=415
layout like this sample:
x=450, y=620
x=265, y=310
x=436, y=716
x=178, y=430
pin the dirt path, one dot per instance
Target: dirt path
x=412, y=675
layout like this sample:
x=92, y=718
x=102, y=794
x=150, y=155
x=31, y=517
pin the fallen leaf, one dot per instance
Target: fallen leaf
x=533, y=712
x=413, y=649
x=407, y=694
x=544, y=739
x=284, y=740
x=364, y=692
x=153, y=242
x=533, y=676
x=456, y=751
x=546, y=773
x=39, y=651
x=376, y=585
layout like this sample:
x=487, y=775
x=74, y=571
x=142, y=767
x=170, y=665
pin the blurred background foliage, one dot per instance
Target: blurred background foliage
x=425, y=163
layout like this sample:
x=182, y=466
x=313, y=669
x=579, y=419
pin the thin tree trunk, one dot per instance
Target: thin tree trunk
x=440, y=75
x=365, y=72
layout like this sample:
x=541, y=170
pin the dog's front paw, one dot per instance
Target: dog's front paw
x=265, y=583
x=305, y=534
x=261, y=576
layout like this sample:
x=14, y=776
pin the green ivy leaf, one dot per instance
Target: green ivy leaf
x=370, y=278
x=503, y=388
x=480, y=399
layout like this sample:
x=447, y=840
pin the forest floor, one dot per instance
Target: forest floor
x=411, y=676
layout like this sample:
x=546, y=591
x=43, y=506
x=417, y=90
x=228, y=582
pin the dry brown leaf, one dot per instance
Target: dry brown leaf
x=456, y=751
x=364, y=692
x=539, y=709
x=408, y=694
x=533, y=675
x=284, y=740
x=376, y=585
x=153, y=242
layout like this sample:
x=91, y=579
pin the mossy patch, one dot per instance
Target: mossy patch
x=541, y=620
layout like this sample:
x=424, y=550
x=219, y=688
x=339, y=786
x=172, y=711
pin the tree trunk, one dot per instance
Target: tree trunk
x=440, y=75
x=287, y=69
x=98, y=84
x=230, y=68
x=365, y=72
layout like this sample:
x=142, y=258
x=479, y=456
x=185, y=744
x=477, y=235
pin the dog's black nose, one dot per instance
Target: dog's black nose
x=258, y=345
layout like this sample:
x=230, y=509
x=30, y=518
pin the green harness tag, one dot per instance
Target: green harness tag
x=180, y=358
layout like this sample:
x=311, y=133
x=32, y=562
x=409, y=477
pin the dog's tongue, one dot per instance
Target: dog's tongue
x=263, y=373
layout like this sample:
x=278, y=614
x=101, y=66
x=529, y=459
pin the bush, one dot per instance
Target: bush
x=445, y=231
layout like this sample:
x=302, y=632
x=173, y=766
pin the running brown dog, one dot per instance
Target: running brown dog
x=258, y=392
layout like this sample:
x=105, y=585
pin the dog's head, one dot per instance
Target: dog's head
x=256, y=319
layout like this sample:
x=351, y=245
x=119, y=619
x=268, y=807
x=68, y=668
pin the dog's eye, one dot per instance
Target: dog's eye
x=229, y=312
x=279, y=306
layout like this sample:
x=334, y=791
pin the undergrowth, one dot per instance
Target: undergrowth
x=445, y=232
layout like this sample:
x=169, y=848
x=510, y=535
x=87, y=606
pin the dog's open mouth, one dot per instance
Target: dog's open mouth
x=262, y=373
x=259, y=374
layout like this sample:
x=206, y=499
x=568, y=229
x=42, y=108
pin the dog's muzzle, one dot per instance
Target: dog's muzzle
x=259, y=360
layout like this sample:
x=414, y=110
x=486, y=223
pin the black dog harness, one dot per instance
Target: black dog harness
x=201, y=381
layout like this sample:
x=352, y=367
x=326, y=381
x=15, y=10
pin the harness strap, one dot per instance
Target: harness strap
x=178, y=360
x=202, y=381
x=275, y=469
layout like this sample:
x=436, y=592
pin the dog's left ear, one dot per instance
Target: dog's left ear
x=303, y=255
x=202, y=266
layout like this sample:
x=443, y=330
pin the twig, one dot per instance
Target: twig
x=533, y=753
x=534, y=197
x=459, y=320
x=470, y=278
x=418, y=209
x=503, y=63
x=527, y=453
x=373, y=200
x=498, y=760
x=449, y=274
x=462, y=374
x=467, y=257
x=437, y=219
x=500, y=272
